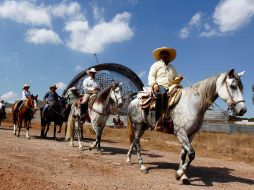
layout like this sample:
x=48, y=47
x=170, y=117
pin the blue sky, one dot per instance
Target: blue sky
x=47, y=42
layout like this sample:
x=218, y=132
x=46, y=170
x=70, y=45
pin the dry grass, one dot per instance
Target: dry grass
x=237, y=147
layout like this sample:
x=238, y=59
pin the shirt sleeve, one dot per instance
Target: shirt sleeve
x=46, y=96
x=152, y=75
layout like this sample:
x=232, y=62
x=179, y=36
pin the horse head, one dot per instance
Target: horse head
x=31, y=101
x=117, y=94
x=230, y=90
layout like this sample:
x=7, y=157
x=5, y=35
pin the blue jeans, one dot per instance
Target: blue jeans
x=161, y=102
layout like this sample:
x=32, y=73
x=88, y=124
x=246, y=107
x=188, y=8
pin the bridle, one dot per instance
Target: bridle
x=114, y=92
x=233, y=102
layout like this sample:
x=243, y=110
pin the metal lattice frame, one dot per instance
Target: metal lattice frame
x=106, y=74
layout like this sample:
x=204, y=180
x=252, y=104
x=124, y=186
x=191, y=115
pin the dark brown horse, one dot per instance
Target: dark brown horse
x=24, y=113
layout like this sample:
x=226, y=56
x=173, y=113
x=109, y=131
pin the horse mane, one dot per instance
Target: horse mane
x=102, y=95
x=206, y=89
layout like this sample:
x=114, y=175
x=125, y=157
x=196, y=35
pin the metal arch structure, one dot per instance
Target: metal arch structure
x=106, y=74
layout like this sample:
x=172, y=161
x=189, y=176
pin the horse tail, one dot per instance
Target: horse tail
x=130, y=129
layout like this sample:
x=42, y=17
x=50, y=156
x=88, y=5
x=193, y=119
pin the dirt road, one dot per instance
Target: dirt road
x=48, y=164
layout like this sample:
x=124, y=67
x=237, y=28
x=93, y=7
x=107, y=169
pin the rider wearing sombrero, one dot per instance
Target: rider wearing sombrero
x=50, y=96
x=160, y=78
x=90, y=86
x=24, y=96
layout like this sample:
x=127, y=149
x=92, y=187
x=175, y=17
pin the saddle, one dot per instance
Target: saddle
x=147, y=101
x=147, y=97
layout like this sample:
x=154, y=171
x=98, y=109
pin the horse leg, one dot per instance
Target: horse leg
x=26, y=125
x=47, y=129
x=19, y=125
x=97, y=132
x=188, y=154
x=54, y=136
x=78, y=131
x=130, y=152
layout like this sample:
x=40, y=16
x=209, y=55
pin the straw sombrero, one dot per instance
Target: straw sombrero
x=25, y=85
x=92, y=70
x=172, y=52
x=53, y=86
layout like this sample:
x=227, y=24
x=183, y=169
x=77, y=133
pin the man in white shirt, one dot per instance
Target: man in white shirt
x=90, y=85
x=160, y=78
x=24, y=96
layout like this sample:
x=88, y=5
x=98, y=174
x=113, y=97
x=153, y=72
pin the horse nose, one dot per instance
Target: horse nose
x=120, y=105
x=242, y=111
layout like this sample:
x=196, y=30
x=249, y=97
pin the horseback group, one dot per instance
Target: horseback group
x=165, y=106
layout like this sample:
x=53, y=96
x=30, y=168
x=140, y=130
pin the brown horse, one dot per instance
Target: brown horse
x=24, y=113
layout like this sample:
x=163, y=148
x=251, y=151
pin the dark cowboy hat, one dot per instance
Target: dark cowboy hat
x=171, y=51
x=53, y=87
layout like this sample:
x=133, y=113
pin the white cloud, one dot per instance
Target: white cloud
x=93, y=40
x=63, y=9
x=194, y=23
x=61, y=85
x=42, y=36
x=98, y=13
x=25, y=12
x=9, y=97
x=230, y=15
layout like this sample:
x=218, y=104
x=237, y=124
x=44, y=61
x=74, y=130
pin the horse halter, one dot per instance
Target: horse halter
x=233, y=102
x=113, y=89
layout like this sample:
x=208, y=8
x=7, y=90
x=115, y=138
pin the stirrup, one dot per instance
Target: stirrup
x=158, y=126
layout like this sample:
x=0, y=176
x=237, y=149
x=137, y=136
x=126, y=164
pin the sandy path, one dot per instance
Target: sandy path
x=48, y=164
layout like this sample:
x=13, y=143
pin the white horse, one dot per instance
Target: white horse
x=188, y=115
x=99, y=113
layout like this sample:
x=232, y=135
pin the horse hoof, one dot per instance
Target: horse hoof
x=185, y=180
x=28, y=137
x=179, y=174
x=145, y=171
x=90, y=148
x=128, y=161
x=58, y=131
x=71, y=144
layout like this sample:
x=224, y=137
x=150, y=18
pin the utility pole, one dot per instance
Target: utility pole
x=96, y=58
x=253, y=93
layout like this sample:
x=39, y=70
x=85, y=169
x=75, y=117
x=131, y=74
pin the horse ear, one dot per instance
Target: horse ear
x=241, y=74
x=231, y=73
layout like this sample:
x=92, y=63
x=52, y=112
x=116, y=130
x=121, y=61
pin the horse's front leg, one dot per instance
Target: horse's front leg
x=26, y=124
x=97, y=132
x=187, y=155
x=47, y=129
x=78, y=126
x=54, y=136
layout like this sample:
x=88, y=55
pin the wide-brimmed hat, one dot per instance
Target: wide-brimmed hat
x=26, y=85
x=73, y=88
x=53, y=86
x=172, y=53
x=92, y=70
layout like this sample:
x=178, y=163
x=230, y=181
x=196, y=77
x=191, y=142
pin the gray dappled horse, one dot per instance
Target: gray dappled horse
x=188, y=114
x=98, y=113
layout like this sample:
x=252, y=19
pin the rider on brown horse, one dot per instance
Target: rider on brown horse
x=25, y=95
